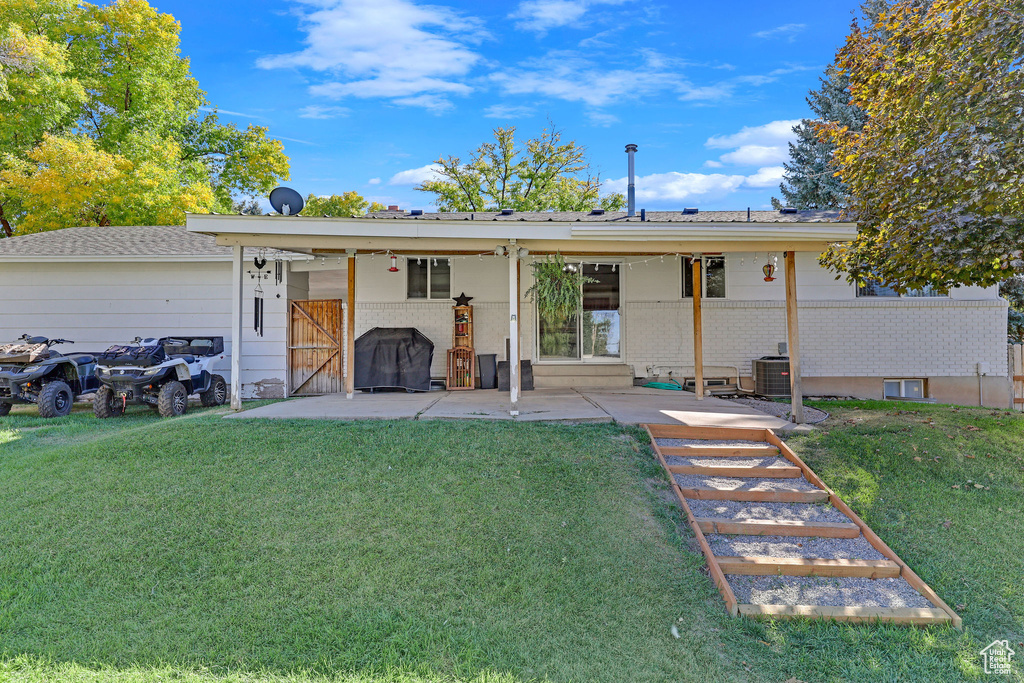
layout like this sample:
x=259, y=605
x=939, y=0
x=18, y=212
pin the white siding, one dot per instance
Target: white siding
x=100, y=304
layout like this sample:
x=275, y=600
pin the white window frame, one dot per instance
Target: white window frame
x=703, y=277
x=430, y=269
x=903, y=391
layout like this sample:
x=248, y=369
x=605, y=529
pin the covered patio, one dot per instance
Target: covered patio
x=625, y=406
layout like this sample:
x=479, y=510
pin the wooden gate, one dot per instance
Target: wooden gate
x=315, y=342
x=1017, y=374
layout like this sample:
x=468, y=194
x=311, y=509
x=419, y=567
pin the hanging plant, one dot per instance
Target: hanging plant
x=557, y=288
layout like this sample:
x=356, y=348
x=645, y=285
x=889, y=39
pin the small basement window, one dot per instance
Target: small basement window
x=904, y=388
x=429, y=277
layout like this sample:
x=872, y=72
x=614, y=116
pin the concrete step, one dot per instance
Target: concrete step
x=593, y=375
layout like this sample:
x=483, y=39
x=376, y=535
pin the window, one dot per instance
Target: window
x=876, y=289
x=430, y=277
x=712, y=277
x=904, y=388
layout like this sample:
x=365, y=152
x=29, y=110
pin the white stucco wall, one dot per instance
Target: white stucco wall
x=101, y=304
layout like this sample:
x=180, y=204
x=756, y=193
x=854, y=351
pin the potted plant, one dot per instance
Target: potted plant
x=557, y=288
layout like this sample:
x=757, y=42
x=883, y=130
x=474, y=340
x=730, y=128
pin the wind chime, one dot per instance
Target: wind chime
x=260, y=262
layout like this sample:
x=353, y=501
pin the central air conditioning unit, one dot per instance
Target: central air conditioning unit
x=771, y=376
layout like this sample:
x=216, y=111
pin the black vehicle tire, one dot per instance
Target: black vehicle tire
x=55, y=400
x=106, y=404
x=173, y=400
x=5, y=408
x=217, y=394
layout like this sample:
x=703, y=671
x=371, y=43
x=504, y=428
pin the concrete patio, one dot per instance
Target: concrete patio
x=626, y=406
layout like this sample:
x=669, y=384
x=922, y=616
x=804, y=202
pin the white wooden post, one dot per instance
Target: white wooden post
x=795, y=382
x=513, y=328
x=236, y=326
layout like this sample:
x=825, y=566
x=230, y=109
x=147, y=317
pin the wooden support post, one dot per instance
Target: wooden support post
x=795, y=383
x=513, y=328
x=350, y=330
x=236, y=327
x=698, y=334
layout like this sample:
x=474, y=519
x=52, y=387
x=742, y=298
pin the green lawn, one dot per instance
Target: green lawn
x=203, y=549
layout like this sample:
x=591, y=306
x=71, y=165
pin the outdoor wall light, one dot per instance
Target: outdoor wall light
x=500, y=250
x=524, y=252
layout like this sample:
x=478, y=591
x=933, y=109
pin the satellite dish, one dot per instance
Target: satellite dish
x=286, y=201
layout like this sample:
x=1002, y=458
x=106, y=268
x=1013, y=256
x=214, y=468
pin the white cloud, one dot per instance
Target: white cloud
x=675, y=186
x=786, y=31
x=602, y=119
x=766, y=177
x=756, y=155
x=707, y=187
x=774, y=133
x=543, y=15
x=508, y=111
x=385, y=48
x=713, y=164
x=315, y=111
x=373, y=181
x=415, y=176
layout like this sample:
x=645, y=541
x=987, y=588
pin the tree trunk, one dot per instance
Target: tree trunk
x=5, y=224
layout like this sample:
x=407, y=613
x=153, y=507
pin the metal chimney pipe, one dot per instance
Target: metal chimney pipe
x=631, y=191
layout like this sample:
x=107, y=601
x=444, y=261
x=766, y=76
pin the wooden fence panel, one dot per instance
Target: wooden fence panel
x=1017, y=374
x=315, y=341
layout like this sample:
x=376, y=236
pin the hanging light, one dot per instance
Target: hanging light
x=394, y=264
x=419, y=262
x=613, y=267
x=435, y=261
x=597, y=267
x=769, y=271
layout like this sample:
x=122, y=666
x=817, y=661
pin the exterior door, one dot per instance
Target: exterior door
x=594, y=332
x=315, y=339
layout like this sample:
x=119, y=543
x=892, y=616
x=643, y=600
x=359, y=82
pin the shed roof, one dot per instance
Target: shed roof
x=620, y=216
x=159, y=240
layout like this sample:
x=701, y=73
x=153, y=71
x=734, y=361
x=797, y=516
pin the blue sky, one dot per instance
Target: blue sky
x=366, y=94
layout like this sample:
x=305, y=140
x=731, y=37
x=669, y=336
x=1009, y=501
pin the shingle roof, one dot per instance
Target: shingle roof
x=620, y=216
x=160, y=240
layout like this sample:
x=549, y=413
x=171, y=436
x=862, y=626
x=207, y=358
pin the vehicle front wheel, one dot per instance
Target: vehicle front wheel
x=217, y=394
x=106, y=404
x=55, y=400
x=173, y=400
x=4, y=409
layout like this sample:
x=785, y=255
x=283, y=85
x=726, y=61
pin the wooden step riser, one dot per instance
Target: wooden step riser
x=756, y=496
x=908, y=616
x=707, y=433
x=788, y=566
x=721, y=451
x=717, y=525
x=738, y=472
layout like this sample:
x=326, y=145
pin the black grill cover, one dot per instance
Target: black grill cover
x=393, y=358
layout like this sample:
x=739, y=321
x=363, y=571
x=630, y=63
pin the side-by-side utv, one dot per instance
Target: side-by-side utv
x=32, y=372
x=159, y=373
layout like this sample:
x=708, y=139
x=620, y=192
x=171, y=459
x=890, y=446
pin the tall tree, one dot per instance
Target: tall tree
x=810, y=180
x=540, y=174
x=108, y=84
x=341, y=205
x=936, y=176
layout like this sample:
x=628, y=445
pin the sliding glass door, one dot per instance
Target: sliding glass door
x=593, y=333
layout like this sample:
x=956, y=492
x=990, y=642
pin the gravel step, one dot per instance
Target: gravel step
x=698, y=461
x=793, y=546
x=709, y=442
x=825, y=591
x=743, y=484
x=729, y=509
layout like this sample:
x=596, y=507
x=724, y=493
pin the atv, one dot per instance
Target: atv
x=32, y=372
x=159, y=373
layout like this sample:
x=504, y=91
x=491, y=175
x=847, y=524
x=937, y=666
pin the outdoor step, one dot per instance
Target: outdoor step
x=915, y=616
x=583, y=370
x=581, y=382
x=770, y=527
x=795, y=566
x=759, y=472
x=720, y=451
x=730, y=434
x=773, y=496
